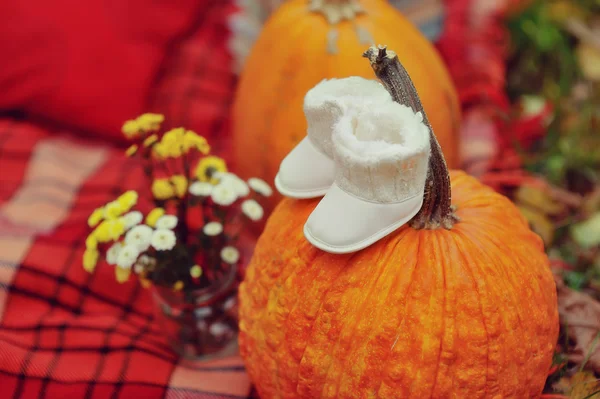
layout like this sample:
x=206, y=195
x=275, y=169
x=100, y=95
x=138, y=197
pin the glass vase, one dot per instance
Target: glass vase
x=201, y=324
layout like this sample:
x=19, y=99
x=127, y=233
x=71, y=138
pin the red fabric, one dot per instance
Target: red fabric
x=92, y=64
x=65, y=333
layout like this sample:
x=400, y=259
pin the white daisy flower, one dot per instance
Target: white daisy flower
x=139, y=236
x=260, y=186
x=163, y=240
x=252, y=209
x=224, y=194
x=113, y=253
x=132, y=218
x=127, y=256
x=239, y=186
x=213, y=229
x=201, y=189
x=230, y=255
x=138, y=267
x=166, y=222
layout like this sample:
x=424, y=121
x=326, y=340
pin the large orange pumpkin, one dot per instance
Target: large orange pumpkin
x=298, y=47
x=461, y=304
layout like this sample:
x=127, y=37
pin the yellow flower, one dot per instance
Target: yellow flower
x=196, y=271
x=127, y=200
x=96, y=217
x=154, y=215
x=90, y=259
x=113, y=210
x=178, y=286
x=173, y=142
x=180, y=183
x=150, y=122
x=192, y=140
x=122, y=275
x=109, y=230
x=160, y=151
x=91, y=242
x=131, y=150
x=175, y=150
x=150, y=140
x=162, y=189
x=208, y=166
x=131, y=129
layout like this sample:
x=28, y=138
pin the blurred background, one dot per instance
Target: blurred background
x=512, y=87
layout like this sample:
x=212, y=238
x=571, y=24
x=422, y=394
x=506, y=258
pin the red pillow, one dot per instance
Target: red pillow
x=88, y=64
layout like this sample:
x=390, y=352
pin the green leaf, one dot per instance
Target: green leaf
x=587, y=233
x=575, y=280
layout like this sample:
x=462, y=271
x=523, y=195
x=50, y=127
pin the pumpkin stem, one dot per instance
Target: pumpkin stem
x=336, y=11
x=437, y=210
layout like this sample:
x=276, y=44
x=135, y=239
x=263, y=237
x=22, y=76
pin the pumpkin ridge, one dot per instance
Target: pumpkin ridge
x=402, y=321
x=318, y=255
x=260, y=283
x=277, y=326
x=535, y=293
x=534, y=289
x=511, y=285
x=426, y=325
x=466, y=265
x=442, y=261
x=359, y=310
x=450, y=333
x=504, y=278
x=323, y=302
x=371, y=337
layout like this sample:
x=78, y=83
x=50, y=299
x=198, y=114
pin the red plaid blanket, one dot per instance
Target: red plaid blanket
x=65, y=333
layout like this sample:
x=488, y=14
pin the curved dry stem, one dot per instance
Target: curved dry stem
x=437, y=210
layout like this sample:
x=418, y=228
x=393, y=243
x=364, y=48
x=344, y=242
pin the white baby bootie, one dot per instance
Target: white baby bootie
x=381, y=158
x=308, y=170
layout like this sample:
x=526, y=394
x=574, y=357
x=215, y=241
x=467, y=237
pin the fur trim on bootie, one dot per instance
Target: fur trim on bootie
x=382, y=154
x=325, y=104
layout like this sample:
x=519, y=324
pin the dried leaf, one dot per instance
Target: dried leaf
x=581, y=315
x=587, y=233
x=591, y=202
x=578, y=386
x=561, y=10
x=588, y=57
x=538, y=198
x=539, y=223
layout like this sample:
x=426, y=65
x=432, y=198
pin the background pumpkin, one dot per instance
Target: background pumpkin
x=247, y=21
x=294, y=52
x=461, y=304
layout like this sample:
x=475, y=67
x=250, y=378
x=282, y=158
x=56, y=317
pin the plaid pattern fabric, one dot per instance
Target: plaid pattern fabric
x=196, y=84
x=65, y=333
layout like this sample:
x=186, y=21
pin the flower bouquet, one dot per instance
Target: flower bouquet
x=184, y=247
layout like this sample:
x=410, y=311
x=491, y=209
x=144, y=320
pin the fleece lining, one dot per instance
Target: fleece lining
x=329, y=100
x=381, y=152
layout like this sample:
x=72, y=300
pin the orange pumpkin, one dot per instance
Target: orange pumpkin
x=298, y=47
x=460, y=304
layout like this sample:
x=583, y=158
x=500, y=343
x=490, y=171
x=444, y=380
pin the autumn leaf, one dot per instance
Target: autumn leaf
x=580, y=313
x=581, y=385
x=539, y=222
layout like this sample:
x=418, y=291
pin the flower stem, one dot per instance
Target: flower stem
x=437, y=210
